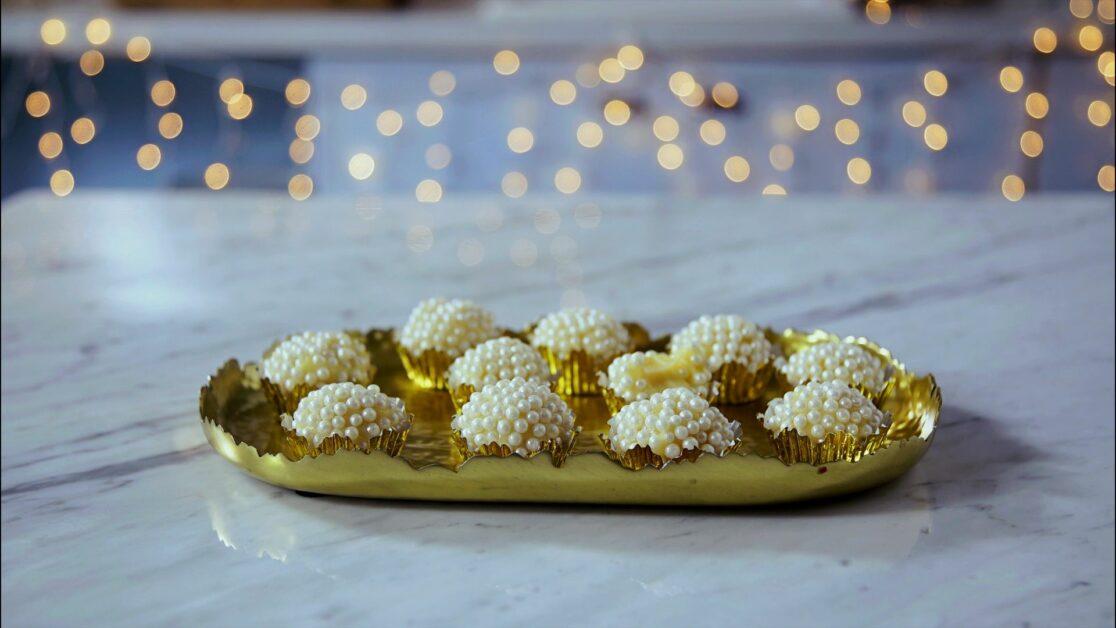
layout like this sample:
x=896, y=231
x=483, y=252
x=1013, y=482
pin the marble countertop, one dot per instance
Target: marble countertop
x=117, y=305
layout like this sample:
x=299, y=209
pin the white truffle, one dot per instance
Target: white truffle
x=640, y=374
x=836, y=361
x=726, y=338
x=671, y=422
x=592, y=331
x=356, y=412
x=521, y=414
x=450, y=326
x=318, y=358
x=495, y=360
x=815, y=409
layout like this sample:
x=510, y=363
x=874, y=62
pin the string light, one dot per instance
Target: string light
x=859, y=170
x=506, y=62
x=38, y=104
x=611, y=71
x=781, y=157
x=807, y=117
x=240, y=106
x=725, y=95
x=847, y=131
x=737, y=169
x=1011, y=79
x=53, y=32
x=301, y=151
x=935, y=136
x=878, y=12
x=630, y=56
x=361, y=166
x=297, y=92
x=353, y=97
x=162, y=93
x=428, y=191
x=514, y=184
x=50, y=145
x=442, y=83
x=774, y=189
x=914, y=114
x=681, y=83
x=98, y=31
x=563, y=92
x=1036, y=105
x=138, y=48
x=148, y=156
x=567, y=180
x=230, y=88
x=1099, y=113
x=389, y=123
x=170, y=125
x=62, y=182
x=848, y=92
x=617, y=112
x=712, y=132
x=1030, y=142
x=216, y=176
x=1090, y=38
x=91, y=62
x=307, y=126
x=670, y=156
x=1013, y=188
x=935, y=83
x=1045, y=40
x=429, y=113
x=590, y=134
x=520, y=139
x=300, y=187
x=83, y=130
x=438, y=156
x=665, y=128
x=1106, y=178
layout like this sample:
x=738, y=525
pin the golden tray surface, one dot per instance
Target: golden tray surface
x=244, y=427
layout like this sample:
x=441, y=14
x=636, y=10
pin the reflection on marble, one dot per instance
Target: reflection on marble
x=116, y=511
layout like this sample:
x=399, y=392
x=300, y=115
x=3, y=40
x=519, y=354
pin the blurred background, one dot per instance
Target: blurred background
x=520, y=98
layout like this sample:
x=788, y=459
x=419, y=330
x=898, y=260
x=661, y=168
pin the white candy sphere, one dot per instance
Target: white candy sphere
x=317, y=358
x=640, y=374
x=356, y=412
x=726, y=338
x=671, y=422
x=581, y=328
x=495, y=360
x=450, y=326
x=521, y=414
x=815, y=409
x=836, y=361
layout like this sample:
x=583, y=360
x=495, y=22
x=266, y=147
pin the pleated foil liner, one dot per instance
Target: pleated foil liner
x=791, y=447
x=577, y=374
x=735, y=383
x=558, y=452
x=391, y=442
x=640, y=457
x=427, y=369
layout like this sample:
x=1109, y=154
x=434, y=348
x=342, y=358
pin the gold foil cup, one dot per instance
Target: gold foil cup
x=558, y=452
x=578, y=373
x=639, y=457
x=460, y=395
x=427, y=369
x=735, y=383
x=792, y=447
x=614, y=401
x=390, y=442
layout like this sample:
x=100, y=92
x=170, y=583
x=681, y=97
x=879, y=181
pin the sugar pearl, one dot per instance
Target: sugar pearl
x=726, y=338
x=356, y=412
x=522, y=414
x=640, y=374
x=495, y=360
x=581, y=328
x=837, y=361
x=452, y=327
x=671, y=422
x=317, y=358
x=815, y=409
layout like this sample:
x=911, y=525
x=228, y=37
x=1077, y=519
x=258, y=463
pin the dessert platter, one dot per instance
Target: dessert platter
x=576, y=407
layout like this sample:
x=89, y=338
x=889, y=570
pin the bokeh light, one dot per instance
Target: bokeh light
x=590, y=134
x=300, y=187
x=1030, y=142
x=428, y=191
x=712, y=132
x=848, y=92
x=389, y=122
x=148, y=156
x=514, y=184
x=935, y=136
x=442, y=83
x=670, y=156
x=665, y=128
x=807, y=117
x=781, y=157
x=38, y=104
x=859, y=170
x=567, y=180
x=53, y=31
x=1011, y=79
x=617, y=112
x=506, y=62
x=62, y=182
x=935, y=82
x=361, y=166
x=353, y=97
x=1036, y=105
x=50, y=145
x=297, y=92
x=563, y=92
x=83, y=130
x=847, y=131
x=724, y=95
x=138, y=48
x=91, y=62
x=1013, y=188
x=1045, y=40
x=737, y=169
x=429, y=113
x=216, y=176
x=520, y=139
x=98, y=31
x=307, y=126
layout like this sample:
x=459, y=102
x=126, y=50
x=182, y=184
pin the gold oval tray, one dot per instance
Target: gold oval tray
x=244, y=427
